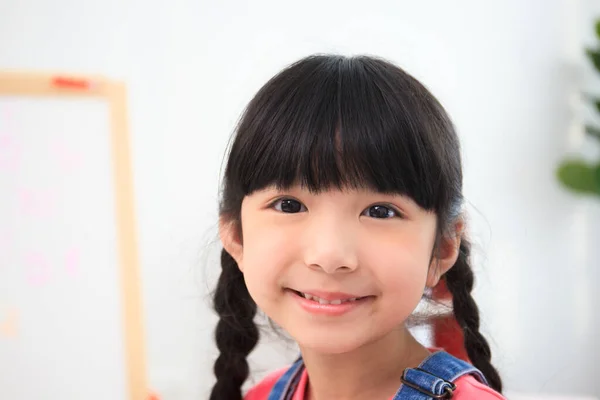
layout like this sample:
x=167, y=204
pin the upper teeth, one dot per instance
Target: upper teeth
x=323, y=301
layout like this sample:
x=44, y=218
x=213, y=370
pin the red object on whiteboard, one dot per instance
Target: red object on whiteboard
x=71, y=83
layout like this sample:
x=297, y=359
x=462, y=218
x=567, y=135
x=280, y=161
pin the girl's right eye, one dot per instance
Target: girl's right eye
x=289, y=206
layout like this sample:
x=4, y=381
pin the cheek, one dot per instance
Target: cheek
x=400, y=264
x=267, y=253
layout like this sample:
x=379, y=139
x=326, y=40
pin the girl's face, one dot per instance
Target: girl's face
x=363, y=258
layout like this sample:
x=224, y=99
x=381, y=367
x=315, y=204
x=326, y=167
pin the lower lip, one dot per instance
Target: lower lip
x=332, y=310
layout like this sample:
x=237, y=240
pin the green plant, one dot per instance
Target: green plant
x=578, y=175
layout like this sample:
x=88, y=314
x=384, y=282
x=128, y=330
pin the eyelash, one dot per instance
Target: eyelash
x=393, y=209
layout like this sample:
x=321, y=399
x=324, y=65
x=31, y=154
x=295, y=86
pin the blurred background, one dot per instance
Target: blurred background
x=510, y=73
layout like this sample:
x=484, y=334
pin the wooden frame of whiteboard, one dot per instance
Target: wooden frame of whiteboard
x=33, y=84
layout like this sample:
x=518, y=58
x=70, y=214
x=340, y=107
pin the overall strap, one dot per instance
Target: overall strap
x=435, y=377
x=285, y=387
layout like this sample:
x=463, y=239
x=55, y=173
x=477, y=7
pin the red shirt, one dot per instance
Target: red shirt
x=467, y=388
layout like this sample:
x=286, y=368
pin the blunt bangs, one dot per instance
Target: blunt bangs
x=334, y=122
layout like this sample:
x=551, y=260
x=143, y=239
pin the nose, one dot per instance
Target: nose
x=330, y=246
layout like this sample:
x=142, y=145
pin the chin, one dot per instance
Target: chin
x=330, y=343
x=331, y=348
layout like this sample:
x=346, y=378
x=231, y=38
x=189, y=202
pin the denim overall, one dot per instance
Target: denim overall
x=433, y=379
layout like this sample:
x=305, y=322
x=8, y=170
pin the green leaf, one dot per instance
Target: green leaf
x=594, y=56
x=597, y=176
x=593, y=99
x=592, y=131
x=598, y=29
x=579, y=177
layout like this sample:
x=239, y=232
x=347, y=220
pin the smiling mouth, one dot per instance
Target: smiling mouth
x=319, y=300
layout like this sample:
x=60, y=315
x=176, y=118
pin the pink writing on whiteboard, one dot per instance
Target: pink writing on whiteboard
x=38, y=269
x=72, y=261
x=66, y=157
x=37, y=203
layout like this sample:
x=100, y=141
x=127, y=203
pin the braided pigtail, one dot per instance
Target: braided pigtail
x=460, y=280
x=236, y=334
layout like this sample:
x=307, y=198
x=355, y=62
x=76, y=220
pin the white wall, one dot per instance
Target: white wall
x=504, y=70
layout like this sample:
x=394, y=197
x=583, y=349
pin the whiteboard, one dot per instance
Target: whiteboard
x=63, y=314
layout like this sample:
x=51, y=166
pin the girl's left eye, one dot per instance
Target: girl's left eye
x=381, y=211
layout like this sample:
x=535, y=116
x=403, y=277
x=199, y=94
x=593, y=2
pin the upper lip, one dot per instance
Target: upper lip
x=330, y=296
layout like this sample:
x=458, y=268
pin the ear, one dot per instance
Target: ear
x=447, y=254
x=231, y=240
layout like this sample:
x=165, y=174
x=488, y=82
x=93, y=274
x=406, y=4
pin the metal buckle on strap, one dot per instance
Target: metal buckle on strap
x=448, y=390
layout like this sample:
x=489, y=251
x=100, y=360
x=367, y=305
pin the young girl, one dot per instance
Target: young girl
x=341, y=208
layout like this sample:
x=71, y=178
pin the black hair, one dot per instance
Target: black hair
x=331, y=121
